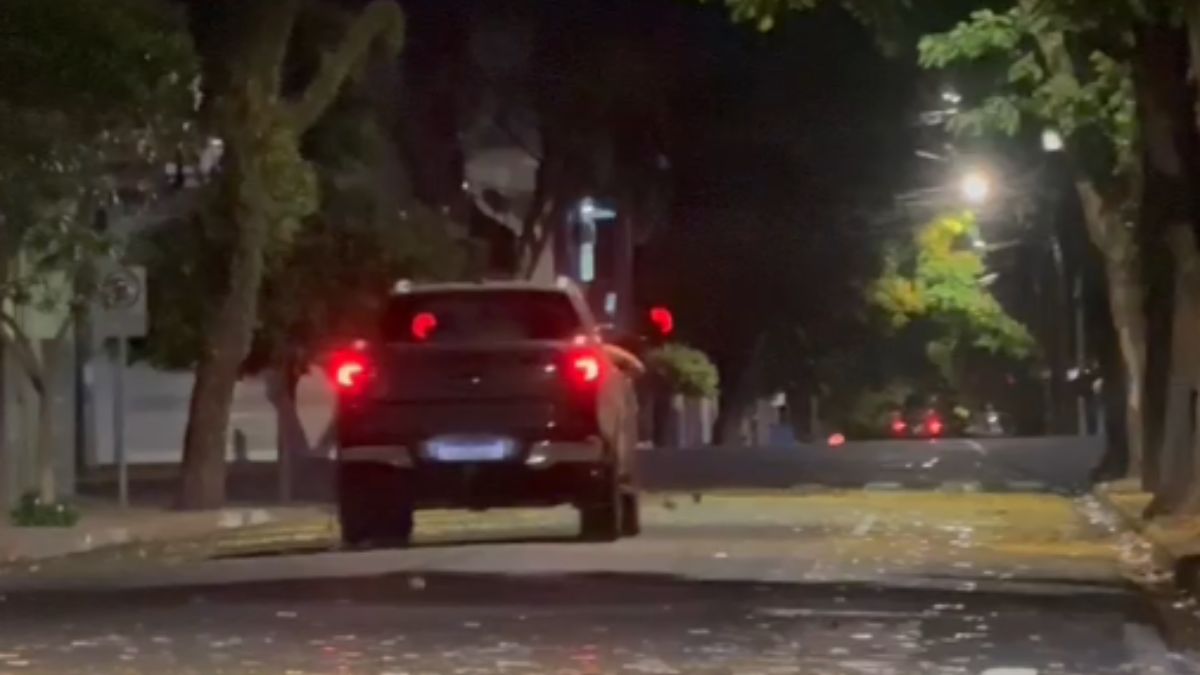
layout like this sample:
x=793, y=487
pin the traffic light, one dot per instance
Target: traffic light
x=663, y=321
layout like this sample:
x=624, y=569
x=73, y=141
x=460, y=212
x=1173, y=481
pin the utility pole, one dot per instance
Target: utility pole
x=1058, y=368
x=1081, y=397
x=624, y=268
x=118, y=422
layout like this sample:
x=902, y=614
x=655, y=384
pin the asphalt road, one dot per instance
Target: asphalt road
x=1021, y=465
x=779, y=576
x=1004, y=464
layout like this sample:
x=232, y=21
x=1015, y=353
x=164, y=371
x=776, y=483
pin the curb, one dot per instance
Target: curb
x=1185, y=569
x=46, y=544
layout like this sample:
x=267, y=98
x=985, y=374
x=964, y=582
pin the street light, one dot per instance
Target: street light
x=1052, y=141
x=976, y=187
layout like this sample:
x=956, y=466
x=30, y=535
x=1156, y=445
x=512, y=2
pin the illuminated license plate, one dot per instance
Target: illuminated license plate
x=469, y=449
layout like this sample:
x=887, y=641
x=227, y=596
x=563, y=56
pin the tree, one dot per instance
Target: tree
x=1114, y=80
x=324, y=290
x=775, y=196
x=1128, y=115
x=942, y=280
x=1093, y=109
x=264, y=187
x=683, y=370
x=1168, y=234
x=75, y=129
x=595, y=111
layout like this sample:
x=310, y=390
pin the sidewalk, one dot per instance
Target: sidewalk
x=103, y=525
x=1176, y=540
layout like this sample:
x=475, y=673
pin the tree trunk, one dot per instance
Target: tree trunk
x=266, y=185
x=230, y=331
x=291, y=442
x=738, y=397
x=46, y=447
x=1178, y=433
x=242, y=46
x=1180, y=489
x=1125, y=300
x=1167, y=218
x=1114, y=463
x=1110, y=233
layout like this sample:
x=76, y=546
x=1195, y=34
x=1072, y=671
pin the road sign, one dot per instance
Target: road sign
x=120, y=307
x=119, y=311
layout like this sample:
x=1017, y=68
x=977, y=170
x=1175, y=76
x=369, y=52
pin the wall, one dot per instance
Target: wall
x=18, y=427
x=157, y=405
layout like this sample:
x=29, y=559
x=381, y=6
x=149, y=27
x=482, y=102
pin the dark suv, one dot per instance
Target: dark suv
x=479, y=396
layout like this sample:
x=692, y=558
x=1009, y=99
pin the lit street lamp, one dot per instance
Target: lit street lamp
x=976, y=187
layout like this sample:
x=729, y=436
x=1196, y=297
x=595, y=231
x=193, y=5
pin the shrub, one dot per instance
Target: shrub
x=31, y=511
x=684, y=370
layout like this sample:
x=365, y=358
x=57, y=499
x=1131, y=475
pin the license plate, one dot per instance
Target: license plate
x=469, y=449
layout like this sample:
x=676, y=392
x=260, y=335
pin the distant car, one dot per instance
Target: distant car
x=917, y=423
x=484, y=395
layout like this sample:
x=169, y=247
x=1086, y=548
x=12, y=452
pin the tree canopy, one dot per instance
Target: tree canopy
x=93, y=96
x=941, y=278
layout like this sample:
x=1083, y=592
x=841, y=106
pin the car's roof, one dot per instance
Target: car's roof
x=407, y=288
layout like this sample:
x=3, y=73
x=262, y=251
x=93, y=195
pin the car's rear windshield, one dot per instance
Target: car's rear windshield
x=480, y=316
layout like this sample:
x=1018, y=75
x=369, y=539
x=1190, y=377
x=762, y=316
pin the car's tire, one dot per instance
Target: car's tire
x=600, y=515
x=374, y=509
x=631, y=514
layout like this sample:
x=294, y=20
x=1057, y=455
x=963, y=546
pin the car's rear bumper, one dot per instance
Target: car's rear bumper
x=543, y=474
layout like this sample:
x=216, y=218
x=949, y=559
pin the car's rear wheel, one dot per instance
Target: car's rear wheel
x=600, y=515
x=374, y=508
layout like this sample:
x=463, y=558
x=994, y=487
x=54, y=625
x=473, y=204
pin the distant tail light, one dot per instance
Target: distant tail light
x=935, y=426
x=350, y=370
x=899, y=427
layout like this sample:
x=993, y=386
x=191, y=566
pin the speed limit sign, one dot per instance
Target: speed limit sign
x=121, y=302
x=121, y=289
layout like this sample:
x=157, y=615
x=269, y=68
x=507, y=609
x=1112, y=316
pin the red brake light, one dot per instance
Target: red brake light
x=423, y=325
x=899, y=426
x=936, y=427
x=837, y=440
x=663, y=319
x=350, y=371
x=585, y=368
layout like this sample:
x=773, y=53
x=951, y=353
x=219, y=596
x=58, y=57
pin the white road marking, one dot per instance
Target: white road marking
x=1010, y=671
x=864, y=526
x=976, y=446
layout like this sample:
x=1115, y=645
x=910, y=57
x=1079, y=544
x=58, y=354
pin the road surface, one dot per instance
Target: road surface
x=746, y=579
x=1008, y=464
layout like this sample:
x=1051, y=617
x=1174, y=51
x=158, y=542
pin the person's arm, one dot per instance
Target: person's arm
x=625, y=360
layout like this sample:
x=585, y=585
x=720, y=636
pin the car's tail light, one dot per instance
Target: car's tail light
x=423, y=326
x=350, y=371
x=585, y=368
x=899, y=427
x=935, y=426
